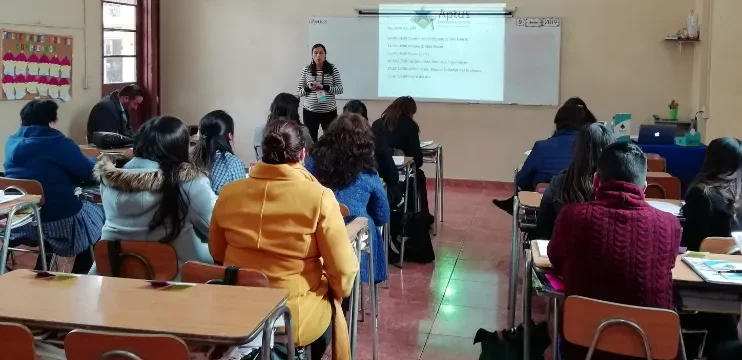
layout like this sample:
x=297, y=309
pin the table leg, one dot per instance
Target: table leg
x=438, y=183
x=555, y=329
x=404, y=211
x=42, y=247
x=372, y=295
x=268, y=331
x=514, y=257
x=355, y=305
x=6, y=242
x=384, y=242
x=527, y=277
x=416, y=191
x=440, y=162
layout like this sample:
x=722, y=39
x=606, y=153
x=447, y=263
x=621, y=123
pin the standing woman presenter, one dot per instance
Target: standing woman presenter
x=319, y=83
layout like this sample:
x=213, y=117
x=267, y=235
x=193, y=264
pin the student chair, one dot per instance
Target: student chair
x=196, y=272
x=21, y=218
x=719, y=245
x=344, y=210
x=16, y=342
x=148, y=260
x=97, y=345
x=669, y=185
x=641, y=332
x=656, y=163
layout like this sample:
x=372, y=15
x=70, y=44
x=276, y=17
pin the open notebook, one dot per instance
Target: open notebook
x=665, y=206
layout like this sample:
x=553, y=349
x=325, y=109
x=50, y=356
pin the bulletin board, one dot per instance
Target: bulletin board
x=36, y=66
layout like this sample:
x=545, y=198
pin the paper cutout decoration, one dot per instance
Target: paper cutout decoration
x=33, y=65
x=8, y=63
x=20, y=64
x=42, y=86
x=44, y=65
x=31, y=84
x=20, y=86
x=9, y=86
x=54, y=66
x=64, y=90
x=53, y=88
x=65, y=67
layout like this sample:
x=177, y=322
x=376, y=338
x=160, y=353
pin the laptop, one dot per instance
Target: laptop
x=656, y=135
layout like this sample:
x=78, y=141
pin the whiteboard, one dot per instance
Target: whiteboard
x=531, y=70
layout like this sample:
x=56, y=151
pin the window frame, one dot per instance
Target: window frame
x=138, y=49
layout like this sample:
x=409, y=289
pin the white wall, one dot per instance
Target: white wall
x=80, y=19
x=237, y=55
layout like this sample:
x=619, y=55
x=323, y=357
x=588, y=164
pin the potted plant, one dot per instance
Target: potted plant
x=673, y=112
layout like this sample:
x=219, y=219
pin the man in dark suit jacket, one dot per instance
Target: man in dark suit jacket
x=112, y=113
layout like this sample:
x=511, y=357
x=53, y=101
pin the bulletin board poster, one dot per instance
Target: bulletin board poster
x=36, y=66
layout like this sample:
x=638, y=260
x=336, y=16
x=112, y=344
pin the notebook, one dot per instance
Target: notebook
x=665, y=206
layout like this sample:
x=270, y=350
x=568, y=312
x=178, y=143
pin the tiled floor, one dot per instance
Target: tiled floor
x=432, y=311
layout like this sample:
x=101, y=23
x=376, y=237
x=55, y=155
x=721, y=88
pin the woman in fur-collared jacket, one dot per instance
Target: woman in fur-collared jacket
x=159, y=195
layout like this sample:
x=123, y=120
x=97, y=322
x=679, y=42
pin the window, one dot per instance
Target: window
x=120, y=41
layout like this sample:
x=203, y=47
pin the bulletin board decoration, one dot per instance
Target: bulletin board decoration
x=35, y=66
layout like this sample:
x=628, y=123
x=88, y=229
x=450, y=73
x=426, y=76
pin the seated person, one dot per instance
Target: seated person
x=712, y=205
x=38, y=151
x=574, y=185
x=213, y=152
x=383, y=155
x=113, y=112
x=159, y=195
x=284, y=107
x=551, y=156
x=398, y=129
x=282, y=222
x=617, y=247
x=343, y=160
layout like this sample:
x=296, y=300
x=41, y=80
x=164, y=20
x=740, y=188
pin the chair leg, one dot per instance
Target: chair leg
x=363, y=305
x=42, y=248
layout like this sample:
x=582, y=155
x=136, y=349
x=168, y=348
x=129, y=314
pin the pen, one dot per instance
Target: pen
x=736, y=271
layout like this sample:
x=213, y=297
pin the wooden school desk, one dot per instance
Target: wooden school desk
x=433, y=154
x=8, y=211
x=91, y=150
x=209, y=314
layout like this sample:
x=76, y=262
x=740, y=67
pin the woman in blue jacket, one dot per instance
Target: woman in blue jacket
x=40, y=152
x=343, y=161
x=551, y=156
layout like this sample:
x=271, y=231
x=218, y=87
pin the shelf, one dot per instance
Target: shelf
x=682, y=42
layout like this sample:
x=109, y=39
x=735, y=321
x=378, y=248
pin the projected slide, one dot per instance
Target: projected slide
x=442, y=51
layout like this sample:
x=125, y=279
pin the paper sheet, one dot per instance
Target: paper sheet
x=426, y=143
x=543, y=247
x=665, y=206
x=398, y=160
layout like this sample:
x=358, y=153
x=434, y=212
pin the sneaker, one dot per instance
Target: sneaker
x=505, y=205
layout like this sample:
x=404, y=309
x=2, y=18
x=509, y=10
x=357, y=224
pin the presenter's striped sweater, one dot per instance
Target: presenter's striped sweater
x=332, y=86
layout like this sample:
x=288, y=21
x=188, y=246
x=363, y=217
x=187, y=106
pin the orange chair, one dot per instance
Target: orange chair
x=663, y=186
x=719, y=245
x=148, y=260
x=96, y=345
x=656, y=163
x=641, y=332
x=200, y=273
x=16, y=342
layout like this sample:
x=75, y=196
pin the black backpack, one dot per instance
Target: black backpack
x=416, y=227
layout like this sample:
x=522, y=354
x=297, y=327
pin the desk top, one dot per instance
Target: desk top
x=23, y=200
x=202, y=313
x=407, y=161
x=654, y=174
x=126, y=152
x=532, y=199
x=681, y=274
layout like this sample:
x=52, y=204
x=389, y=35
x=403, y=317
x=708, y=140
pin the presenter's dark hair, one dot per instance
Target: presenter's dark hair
x=39, y=113
x=402, y=108
x=326, y=66
x=356, y=107
x=344, y=152
x=721, y=172
x=282, y=142
x=623, y=161
x=131, y=91
x=589, y=145
x=573, y=115
x=213, y=131
x=285, y=106
x=165, y=140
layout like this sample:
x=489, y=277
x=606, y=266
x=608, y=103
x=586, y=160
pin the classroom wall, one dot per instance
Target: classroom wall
x=725, y=76
x=80, y=19
x=238, y=54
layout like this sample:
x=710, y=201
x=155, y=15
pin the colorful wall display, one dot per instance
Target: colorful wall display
x=35, y=66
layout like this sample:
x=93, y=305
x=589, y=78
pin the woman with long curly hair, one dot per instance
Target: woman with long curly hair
x=343, y=160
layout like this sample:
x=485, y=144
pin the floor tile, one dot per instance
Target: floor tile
x=485, y=249
x=464, y=321
x=447, y=249
x=442, y=347
x=484, y=271
x=476, y=294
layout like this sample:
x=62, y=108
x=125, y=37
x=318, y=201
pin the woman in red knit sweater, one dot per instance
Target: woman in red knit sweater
x=625, y=249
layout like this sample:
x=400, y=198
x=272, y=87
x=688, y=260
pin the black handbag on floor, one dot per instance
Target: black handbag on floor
x=508, y=344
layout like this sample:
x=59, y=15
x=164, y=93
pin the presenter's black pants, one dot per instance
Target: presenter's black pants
x=313, y=120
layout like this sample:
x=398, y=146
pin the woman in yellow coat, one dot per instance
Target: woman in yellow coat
x=282, y=222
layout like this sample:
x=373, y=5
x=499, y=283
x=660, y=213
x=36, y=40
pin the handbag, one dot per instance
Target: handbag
x=508, y=344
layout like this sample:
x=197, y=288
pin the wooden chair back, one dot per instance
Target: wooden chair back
x=16, y=342
x=344, y=210
x=621, y=329
x=96, y=345
x=670, y=185
x=148, y=260
x=200, y=273
x=656, y=163
x=90, y=151
x=31, y=187
x=655, y=191
x=719, y=245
